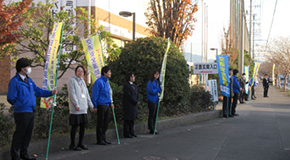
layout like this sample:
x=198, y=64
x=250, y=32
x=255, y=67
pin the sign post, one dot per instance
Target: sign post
x=212, y=85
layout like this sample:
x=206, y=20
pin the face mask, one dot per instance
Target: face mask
x=28, y=71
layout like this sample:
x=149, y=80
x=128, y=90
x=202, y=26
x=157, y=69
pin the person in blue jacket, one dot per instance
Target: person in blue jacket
x=153, y=88
x=21, y=95
x=253, y=86
x=237, y=89
x=101, y=99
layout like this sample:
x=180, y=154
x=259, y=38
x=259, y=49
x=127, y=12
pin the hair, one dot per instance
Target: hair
x=128, y=76
x=244, y=74
x=230, y=69
x=80, y=67
x=151, y=78
x=266, y=75
x=105, y=69
x=21, y=63
x=235, y=71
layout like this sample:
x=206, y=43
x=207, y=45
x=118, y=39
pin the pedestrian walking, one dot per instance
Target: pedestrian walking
x=79, y=100
x=227, y=101
x=237, y=89
x=266, y=85
x=21, y=95
x=131, y=101
x=153, y=89
x=101, y=98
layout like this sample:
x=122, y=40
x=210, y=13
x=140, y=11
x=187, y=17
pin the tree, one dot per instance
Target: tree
x=36, y=30
x=11, y=16
x=171, y=18
x=278, y=52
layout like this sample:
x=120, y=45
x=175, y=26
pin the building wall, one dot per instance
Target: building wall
x=5, y=74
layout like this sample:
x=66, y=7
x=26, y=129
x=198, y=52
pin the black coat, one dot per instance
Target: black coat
x=266, y=83
x=130, y=101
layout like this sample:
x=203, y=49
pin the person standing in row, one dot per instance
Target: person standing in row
x=228, y=100
x=79, y=100
x=153, y=89
x=237, y=88
x=253, y=86
x=101, y=98
x=131, y=101
x=266, y=85
x=243, y=83
x=21, y=95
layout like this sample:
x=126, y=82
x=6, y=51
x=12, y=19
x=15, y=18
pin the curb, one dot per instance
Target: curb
x=61, y=143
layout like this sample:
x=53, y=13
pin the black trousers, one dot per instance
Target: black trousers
x=242, y=96
x=266, y=91
x=73, y=134
x=227, y=100
x=235, y=100
x=253, y=91
x=128, y=128
x=22, y=135
x=152, y=116
x=103, y=114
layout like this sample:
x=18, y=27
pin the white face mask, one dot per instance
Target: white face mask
x=28, y=71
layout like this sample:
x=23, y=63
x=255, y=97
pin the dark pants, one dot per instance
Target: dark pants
x=22, y=135
x=128, y=128
x=103, y=113
x=73, y=134
x=227, y=100
x=253, y=92
x=242, y=96
x=266, y=92
x=152, y=116
x=235, y=100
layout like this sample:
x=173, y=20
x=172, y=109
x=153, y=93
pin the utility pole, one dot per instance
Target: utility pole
x=241, y=56
x=250, y=47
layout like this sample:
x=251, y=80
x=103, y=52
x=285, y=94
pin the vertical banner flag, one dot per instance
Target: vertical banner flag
x=94, y=56
x=223, y=69
x=273, y=75
x=246, y=68
x=49, y=78
x=163, y=71
x=256, y=70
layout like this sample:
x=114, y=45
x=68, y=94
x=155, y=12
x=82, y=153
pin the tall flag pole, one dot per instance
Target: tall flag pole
x=223, y=70
x=162, y=80
x=51, y=72
x=95, y=59
x=273, y=78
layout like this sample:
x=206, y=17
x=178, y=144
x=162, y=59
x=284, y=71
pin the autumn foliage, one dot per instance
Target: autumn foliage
x=171, y=18
x=10, y=18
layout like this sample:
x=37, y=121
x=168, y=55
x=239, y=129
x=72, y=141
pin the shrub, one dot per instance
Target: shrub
x=141, y=57
x=199, y=98
x=6, y=127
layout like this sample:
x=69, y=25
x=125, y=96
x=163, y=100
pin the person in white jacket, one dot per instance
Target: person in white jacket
x=79, y=100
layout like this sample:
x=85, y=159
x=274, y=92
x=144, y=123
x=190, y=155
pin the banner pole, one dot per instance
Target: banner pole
x=116, y=126
x=156, y=117
x=54, y=97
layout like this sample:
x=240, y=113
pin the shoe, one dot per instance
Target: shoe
x=152, y=132
x=101, y=143
x=129, y=136
x=242, y=102
x=235, y=114
x=27, y=157
x=231, y=116
x=253, y=98
x=107, y=142
x=75, y=148
x=17, y=158
x=134, y=135
x=83, y=147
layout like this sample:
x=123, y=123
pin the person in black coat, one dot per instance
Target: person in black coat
x=243, y=85
x=266, y=85
x=131, y=101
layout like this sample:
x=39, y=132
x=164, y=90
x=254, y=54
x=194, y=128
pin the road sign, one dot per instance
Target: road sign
x=205, y=68
x=212, y=85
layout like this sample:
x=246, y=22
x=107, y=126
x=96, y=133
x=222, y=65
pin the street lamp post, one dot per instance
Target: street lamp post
x=129, y=14
x=215, y=49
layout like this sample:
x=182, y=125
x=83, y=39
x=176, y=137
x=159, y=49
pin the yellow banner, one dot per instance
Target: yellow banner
x=49, y=78
x=273, y=75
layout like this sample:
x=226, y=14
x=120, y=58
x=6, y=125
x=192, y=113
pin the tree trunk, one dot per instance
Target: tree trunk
x=285, y=82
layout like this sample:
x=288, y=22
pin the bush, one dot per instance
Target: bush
x=199, y=98
x=6, y=127
x=141, y=57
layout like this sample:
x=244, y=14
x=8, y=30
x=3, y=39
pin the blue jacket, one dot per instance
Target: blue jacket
x=250, y=82
x=236, y=85
x=153, y=88
x=21, y=95
x=101, y=92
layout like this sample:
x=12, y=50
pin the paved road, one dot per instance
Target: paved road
x=261, y=132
